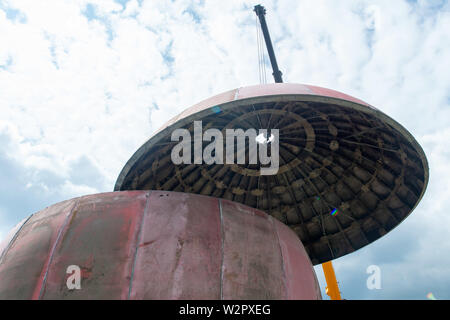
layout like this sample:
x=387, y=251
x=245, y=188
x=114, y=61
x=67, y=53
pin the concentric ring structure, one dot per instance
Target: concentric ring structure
x=337, y=154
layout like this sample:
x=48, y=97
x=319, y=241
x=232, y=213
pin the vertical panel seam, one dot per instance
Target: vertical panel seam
x=222, y=236
x=138, y=240
x=282, y=257
x=13, y=239
x=52, y=252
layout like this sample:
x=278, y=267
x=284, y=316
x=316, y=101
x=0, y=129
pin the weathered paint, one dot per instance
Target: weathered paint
x=24, y=264
x=155, y=245
x=179, y=249
x=249, y=237
x=295, y=258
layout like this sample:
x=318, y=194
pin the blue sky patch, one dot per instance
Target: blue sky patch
x=90, y=12
x=13, y=14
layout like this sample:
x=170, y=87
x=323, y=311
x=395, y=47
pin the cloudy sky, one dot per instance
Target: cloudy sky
x=84, y=83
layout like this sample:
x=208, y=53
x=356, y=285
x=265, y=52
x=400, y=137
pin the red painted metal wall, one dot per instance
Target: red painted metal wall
x=155, y=245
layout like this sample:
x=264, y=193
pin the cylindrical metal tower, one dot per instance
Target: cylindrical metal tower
x=155, y=245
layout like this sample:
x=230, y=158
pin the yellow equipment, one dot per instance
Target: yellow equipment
x=332, y=289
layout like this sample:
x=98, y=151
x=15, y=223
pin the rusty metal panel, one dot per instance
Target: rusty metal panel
x=301, y=285
x=179, y=254
x=9, y=238
x=155, y=245
x=24, y=266
x=100, y=238
x=252, y=261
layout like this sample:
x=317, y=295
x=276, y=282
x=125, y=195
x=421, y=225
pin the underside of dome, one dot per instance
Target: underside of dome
x=336, y=155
